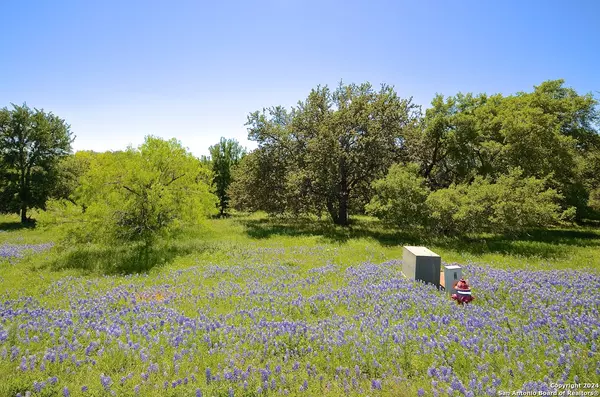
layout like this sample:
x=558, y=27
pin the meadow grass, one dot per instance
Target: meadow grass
x=225, y=295
x=307, y=242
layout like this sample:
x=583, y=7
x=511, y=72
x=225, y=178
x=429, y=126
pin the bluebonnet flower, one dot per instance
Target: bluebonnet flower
x=551, y=316
x=304, y=386
x=106, y=381
x=376, y=384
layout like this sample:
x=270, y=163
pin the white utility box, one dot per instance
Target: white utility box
x=420, y=263
x=452, y=274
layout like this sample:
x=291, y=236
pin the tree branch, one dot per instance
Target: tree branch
x=174, y=179
x=131, y=190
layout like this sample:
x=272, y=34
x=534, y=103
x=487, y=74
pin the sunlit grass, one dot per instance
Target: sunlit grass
x=204, y=273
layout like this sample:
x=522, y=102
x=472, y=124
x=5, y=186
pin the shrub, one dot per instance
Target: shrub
x=136, y=196
x=443, y=208
x=400, y=197
x=509, y=205
x=521, y=203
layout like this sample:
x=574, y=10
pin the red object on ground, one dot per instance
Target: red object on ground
x=463, y=292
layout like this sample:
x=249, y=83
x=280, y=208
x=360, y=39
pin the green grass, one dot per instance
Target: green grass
x=301, y=243
x=297, y=242
x=194, y=263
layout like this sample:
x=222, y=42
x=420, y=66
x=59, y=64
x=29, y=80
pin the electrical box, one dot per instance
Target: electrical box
x=452, y=274
x=420, y=263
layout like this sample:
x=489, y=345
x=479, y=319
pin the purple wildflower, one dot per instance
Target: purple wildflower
x=376, y=384
x=106, y=381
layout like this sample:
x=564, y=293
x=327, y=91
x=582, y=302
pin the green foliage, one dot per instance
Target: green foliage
x=443, y=206
x=138, y=194
x=259, y=183
x=70, y=170
x=548, y=133
x=511, y=204
x=589, y=168
x=224, y=156
x=329, y=148
x=400, y=197
x=594, y=200
x=32, y=144
x=520, y=203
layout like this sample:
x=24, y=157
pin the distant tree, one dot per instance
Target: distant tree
x=590, y=172
x=333, y=143
x=547, y=133
x=594, y=200
x=32, y=144
x=259, y=183
x=224, y=156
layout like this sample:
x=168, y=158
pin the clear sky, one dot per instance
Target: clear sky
x=118, y=70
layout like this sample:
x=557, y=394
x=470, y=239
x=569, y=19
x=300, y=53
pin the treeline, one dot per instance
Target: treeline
x=471, y=162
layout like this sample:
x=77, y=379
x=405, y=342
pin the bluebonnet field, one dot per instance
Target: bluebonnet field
x=264, y=322
x=10, y=252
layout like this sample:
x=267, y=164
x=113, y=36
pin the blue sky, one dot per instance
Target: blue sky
x=120, y=70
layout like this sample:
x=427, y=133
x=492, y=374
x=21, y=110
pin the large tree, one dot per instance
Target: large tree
x=224, y=156
x=549, y=132
x=32, y=144
x=332, y=143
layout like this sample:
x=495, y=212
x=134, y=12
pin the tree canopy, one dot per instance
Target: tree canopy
x=326, y=148
x=224, y=156
x=548, y=133
x=350, y=150
x=32, y=144
x=140, y=193
x=325, y=153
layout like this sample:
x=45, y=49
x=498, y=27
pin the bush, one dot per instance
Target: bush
x=136, y=196
x=444, y=207
x=400, y=197
x=509, y=205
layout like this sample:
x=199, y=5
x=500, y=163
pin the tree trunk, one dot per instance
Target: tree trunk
x=332, y=211
x=23, y=214
x=343, y=210
x=343, y=195
x=429, y=168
